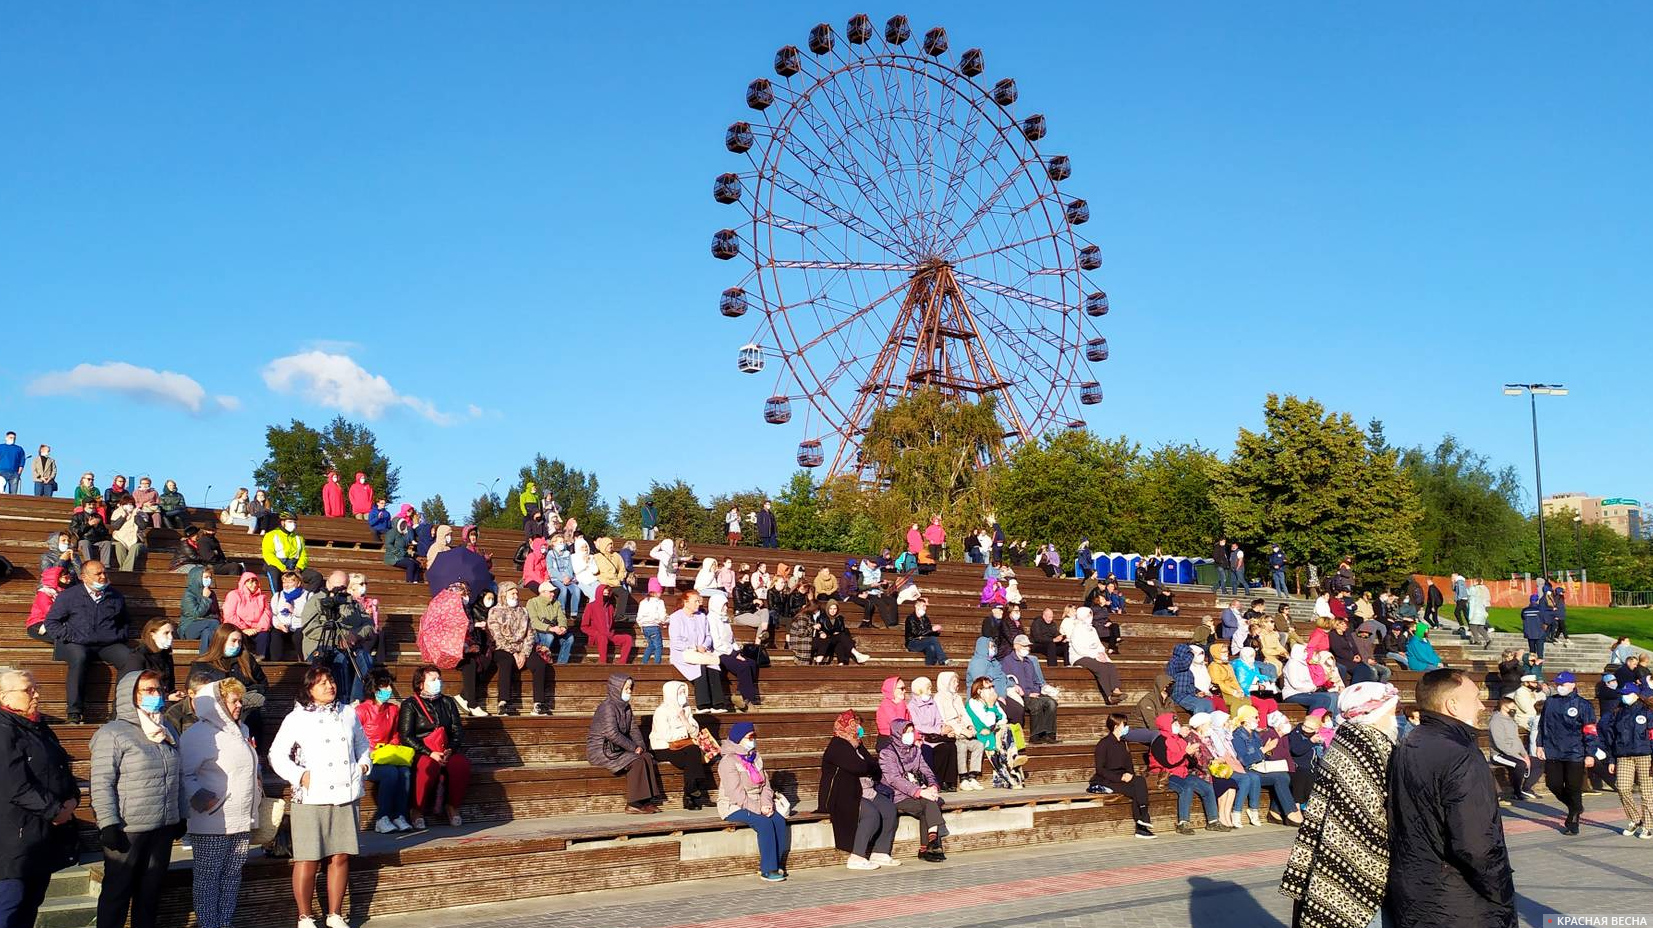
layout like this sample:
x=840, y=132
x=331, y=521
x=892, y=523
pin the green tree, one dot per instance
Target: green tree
x=1069, y=486
x=1313, y=483
x=298, y=458
x=574, y=491
x=682, y=514
x=1173, y=500
x=934, y=455
x=1471, y=521
x=488, y=511
x=435, y=511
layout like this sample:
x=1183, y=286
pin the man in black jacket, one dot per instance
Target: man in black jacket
x=1448, y=864
x=40, y=803
x=87, y=621
x=768, y=534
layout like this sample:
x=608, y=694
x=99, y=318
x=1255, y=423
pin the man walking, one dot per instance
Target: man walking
x=1567, y=745
x=1448, y=864
x=1534, y=626
x=1219, y=557
x=1460, y=602
x=1236, y=567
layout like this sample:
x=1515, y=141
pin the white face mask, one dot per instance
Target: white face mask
x=289, y=526
x=1022, y=652
x=511, y=600
x=62, y=546
x=748, y=746
x=683, y=699
x=433, y=687
x=907, y=737
x=1565, y=689
x=625, y=697
x=1628, y=699
x=163, y=642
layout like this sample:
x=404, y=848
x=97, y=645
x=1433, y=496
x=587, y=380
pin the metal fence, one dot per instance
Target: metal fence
x=1642, y=598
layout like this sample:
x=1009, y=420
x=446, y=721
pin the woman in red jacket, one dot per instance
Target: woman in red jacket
x=381, y=716
x=361, y=496
x=332, y=497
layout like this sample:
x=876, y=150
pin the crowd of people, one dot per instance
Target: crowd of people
x=185, y=757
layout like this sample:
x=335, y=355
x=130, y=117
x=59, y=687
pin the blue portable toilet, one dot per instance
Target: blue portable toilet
x=1119, y=566
x=1128, y=575
x=1168, y=571
x=1185, y=570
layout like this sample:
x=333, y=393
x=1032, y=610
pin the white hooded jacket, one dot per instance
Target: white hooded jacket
x=218, y=756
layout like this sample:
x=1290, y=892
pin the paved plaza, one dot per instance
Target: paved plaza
x=1220, y=881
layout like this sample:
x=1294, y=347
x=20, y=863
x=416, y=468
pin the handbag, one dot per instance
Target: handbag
x=271, y=812
x=1272, y=766
x=680, y=744
x=1219, y=769
x=437, y=741
x=1017, y=736
x=392, y=755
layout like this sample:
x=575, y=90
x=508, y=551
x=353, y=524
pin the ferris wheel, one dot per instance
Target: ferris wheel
x=901, y=230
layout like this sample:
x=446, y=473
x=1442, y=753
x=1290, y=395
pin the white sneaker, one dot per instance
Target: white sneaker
x=384, y=826
x=857, y=862
x=306, y=921
x=336, y=921
x=1252, y=815
x=477, y=712
x=401, y=824
x=861, y=658
x=884, y=860
x=1631, y=829
x=1239, y=822
x=975, y=785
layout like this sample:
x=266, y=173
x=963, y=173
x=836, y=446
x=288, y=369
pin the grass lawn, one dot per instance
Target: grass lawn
x=1584, y=620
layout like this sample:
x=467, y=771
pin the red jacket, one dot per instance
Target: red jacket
x=361, y=495
x=380, y=723
x=332, y=496
x=45, y=596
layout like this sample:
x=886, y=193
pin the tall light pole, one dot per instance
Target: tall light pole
x=1533, y=391
x=1578, y=540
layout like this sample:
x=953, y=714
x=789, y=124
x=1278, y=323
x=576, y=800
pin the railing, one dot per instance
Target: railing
x=1643, y=598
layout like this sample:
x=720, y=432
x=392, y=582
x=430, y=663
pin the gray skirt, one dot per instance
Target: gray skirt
x=321, y=831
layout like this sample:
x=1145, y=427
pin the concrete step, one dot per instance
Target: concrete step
x=1578, y=652
x=70, y=901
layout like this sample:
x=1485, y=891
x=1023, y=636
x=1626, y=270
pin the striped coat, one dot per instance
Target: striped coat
x=1339, y=868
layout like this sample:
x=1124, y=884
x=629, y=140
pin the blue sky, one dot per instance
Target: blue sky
x=503, y=211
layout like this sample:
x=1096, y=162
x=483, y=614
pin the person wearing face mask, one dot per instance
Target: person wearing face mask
x=1254, y=747
x=430, y=724
x=1627, y=733
x=598, y=622
x=1115, y=773
x=155, y=654
x=676, y=738
x=324, y=756
x=992, y=730
x=229, y=656
x=1448, y=864
x=88, y=527
x=147, y=499
x=559, y=565
x=955, y=725
x=1509, y=753
x=398, y=542
x=332, y=497
x=60, y=552
x=222, y=793
x=361, y=496
x=923, y=636
x=861, y=809
x=1185, y=691
x=380, y=716
x=1567, y=745
x=615, y=743
x=516, y=649
x=746, y=796
x=88, y=621
x=909, y=776
x=934, y=738
x=1338, y=871
x=37, y=813
x=44, y=471
x=283, y=549
x=53, y=580
x=198, y=611
x=128, y=529
x=1170, y=755
x=553, y=630
x=135, y=788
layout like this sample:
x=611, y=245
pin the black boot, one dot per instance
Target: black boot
x=931, y=851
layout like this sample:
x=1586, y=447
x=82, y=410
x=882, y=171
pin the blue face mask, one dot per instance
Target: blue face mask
x=232, y=650
x=101, y=585
x=860, y=732
x=382, y=694
x=151, y=703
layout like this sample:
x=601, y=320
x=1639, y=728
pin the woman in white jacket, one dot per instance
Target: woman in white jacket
x=676, y=739
x=585, y=568
x=323, y=755
x=1085, y=650
x=222, y=792
x=665, y=554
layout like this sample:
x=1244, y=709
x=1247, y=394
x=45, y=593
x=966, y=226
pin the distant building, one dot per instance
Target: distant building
x=1619, y=513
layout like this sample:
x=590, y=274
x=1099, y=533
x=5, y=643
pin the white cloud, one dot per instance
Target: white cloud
x=144, y=384
x=474, y=411
x=338, y=382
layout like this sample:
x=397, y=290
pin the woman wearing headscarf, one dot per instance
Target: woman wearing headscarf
x=914, y=784
x=1420, y=654
x=826, y=585
x=730, y=657
x=222, y=794
x=135, y=789
x=198, y=611
x=1298, y=684
x=1085, y=649
x=598, y=621
x=863, y=815
x=955, y=724
x=332, y=497
x=1208, y=741
x=1338, y=872
x=937, y=745
x=516, y=649
x=830, y=640
x=746, y=796
x=677, y=739
x=1255, y=748
x=615, y=743
x=893, y=706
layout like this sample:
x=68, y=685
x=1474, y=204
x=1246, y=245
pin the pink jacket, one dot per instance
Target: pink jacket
x=533, y=567
x=249, y=612
x=361, y=495
x=889, y=710
x=935, y=534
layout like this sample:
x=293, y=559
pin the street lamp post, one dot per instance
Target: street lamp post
x=1578, y=541
x=1533, y=390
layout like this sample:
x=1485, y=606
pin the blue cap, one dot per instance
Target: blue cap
x=1565, y=676
x=739, y=731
